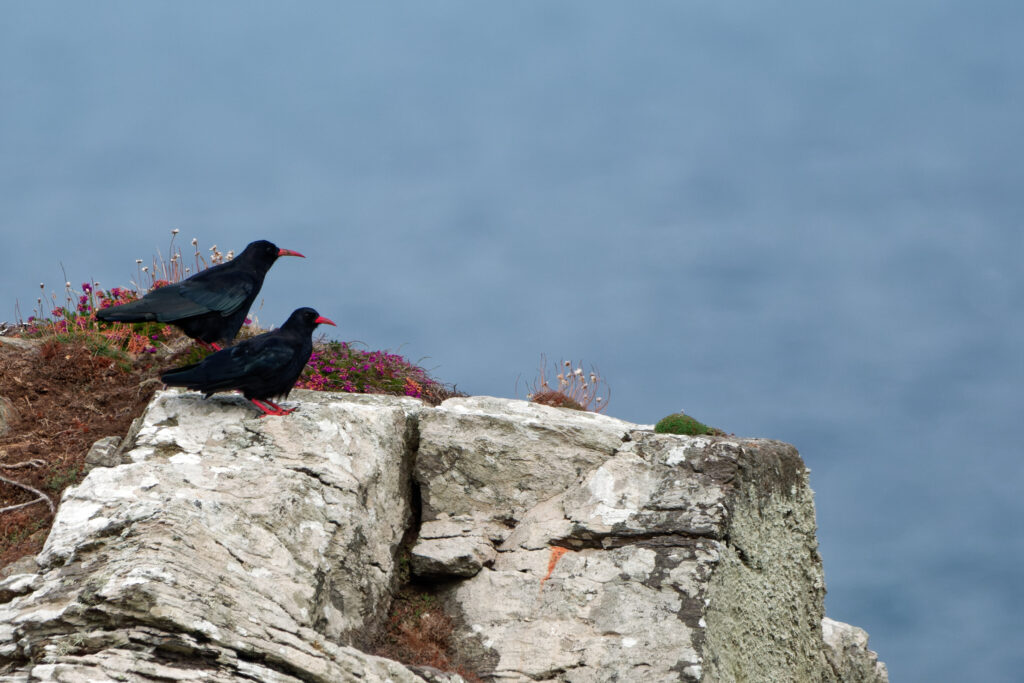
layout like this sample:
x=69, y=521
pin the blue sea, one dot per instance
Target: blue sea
x=802, y=221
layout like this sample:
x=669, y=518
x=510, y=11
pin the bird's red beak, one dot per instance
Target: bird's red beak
x=289, y=252
x=324, y=321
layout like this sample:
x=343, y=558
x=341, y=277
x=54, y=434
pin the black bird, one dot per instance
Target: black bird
x=210, y=306
x=261, y=367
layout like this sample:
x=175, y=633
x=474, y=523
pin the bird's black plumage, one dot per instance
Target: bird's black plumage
x=211, y=305
x=263, y=367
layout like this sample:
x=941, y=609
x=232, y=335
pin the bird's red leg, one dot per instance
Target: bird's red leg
x=283, y=411
x=266, y=410
x=209, y=346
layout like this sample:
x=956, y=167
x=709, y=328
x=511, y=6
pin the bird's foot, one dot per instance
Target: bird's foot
x=281, y=410
x=270, y=408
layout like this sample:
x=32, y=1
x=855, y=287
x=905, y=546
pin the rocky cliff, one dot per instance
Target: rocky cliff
x=566, y=546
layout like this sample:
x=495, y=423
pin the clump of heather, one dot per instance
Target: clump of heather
x=77, y=318
x=337, y=366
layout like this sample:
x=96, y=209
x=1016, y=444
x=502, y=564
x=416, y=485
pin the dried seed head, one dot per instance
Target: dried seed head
x=139, y=261
x=194, y=241
x=175, y=231
x=567, y=363
x=67, y=285
x=42, y=285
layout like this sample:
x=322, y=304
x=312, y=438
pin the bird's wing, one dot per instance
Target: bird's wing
x=263, y=356
x=224, y=293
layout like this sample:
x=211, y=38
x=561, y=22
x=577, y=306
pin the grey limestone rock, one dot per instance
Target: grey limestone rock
x=846, y=648
x=451, y=547
x=567, y=546
x=8, y=415
x=105, y=452
x=626, y=555
x=19, y=343
x=495, y=459
x=229, y=548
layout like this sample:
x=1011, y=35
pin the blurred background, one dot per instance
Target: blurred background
x=797, y=221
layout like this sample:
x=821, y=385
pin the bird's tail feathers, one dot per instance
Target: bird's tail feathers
x=199, y=377
x=133, y=312
x=181, y=377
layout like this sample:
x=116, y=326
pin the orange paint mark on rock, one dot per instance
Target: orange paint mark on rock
x=556, y=555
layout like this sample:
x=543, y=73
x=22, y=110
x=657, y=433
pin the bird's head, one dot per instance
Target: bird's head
x=307, y=318
x=266, y=252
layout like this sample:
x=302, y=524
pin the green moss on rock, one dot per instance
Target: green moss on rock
x=680, y=423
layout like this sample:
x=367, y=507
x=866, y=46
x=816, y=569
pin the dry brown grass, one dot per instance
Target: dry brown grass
x=419, y=633
x=62, y=397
